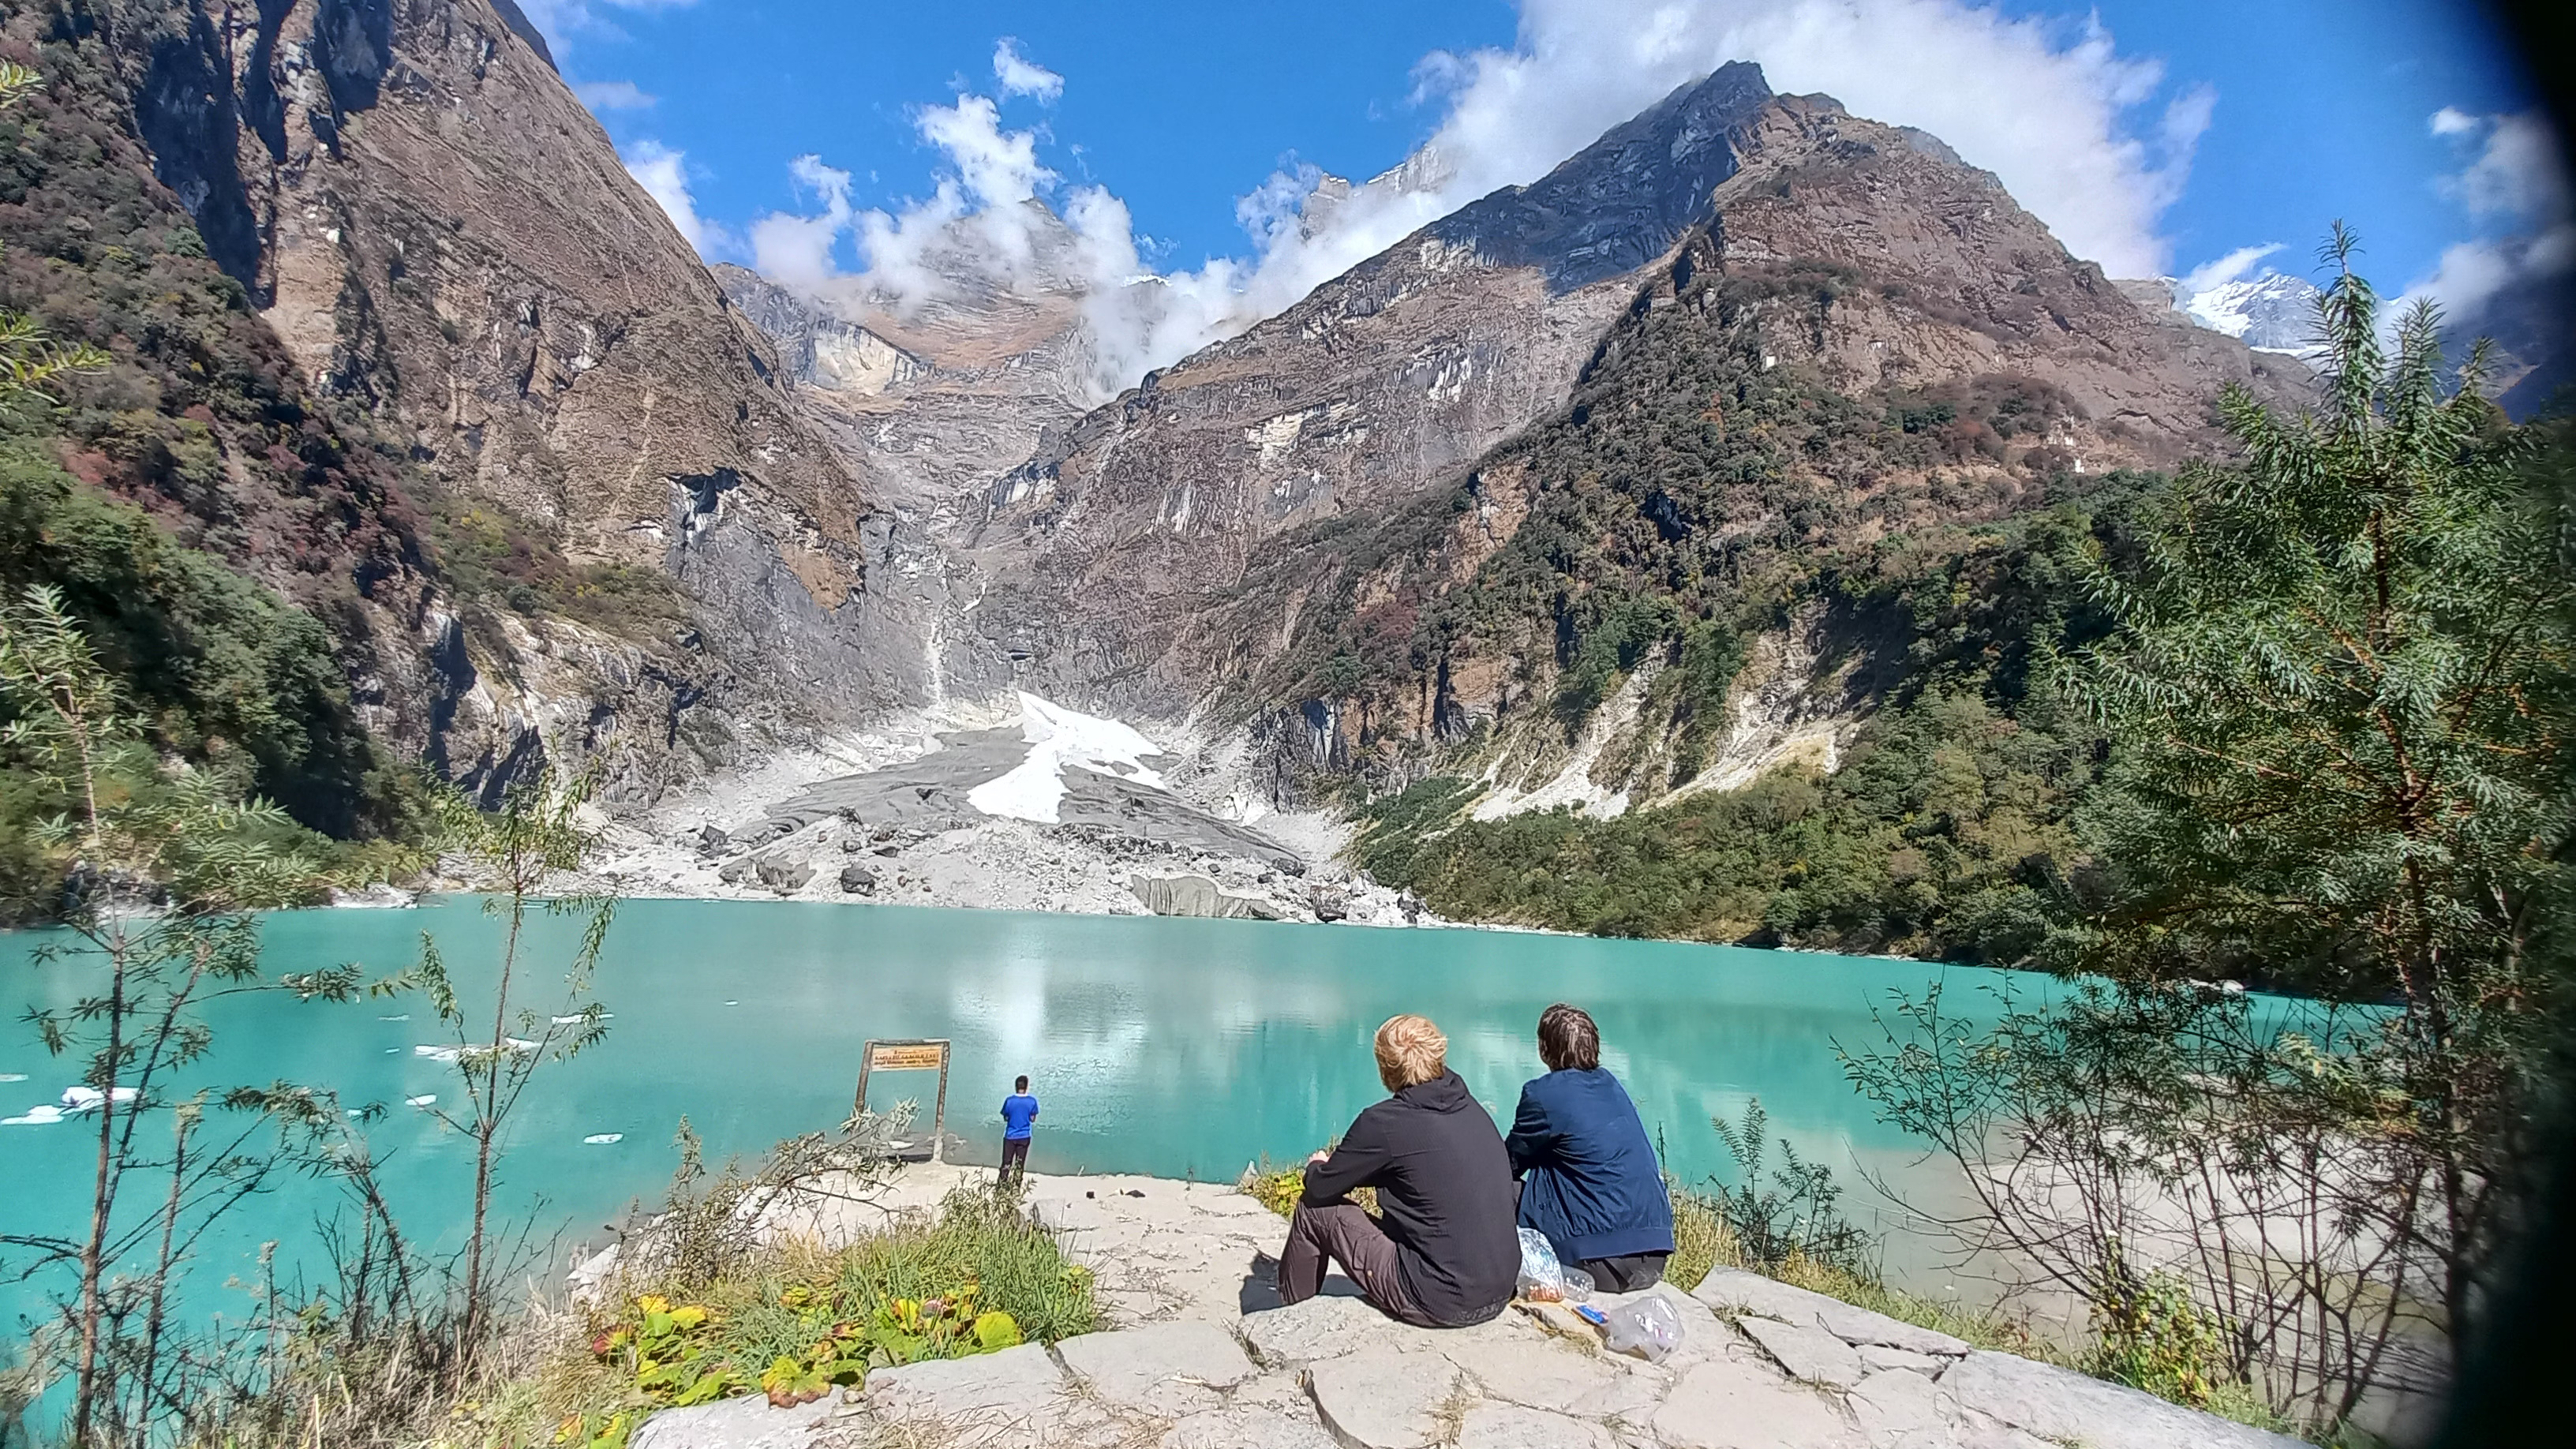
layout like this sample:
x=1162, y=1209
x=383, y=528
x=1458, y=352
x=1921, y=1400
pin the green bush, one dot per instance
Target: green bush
x=225, y=672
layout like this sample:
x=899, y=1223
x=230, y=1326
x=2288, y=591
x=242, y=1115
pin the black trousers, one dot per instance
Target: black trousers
x=1626, y=1274
x=1015, y=1158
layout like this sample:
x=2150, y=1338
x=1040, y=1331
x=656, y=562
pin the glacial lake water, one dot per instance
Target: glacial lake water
x=1181, y=1048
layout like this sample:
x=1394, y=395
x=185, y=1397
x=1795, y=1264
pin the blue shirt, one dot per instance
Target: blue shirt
x=1018, y=1111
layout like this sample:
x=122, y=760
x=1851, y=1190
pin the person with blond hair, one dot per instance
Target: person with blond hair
x=1446, y=1253
x=1590, y=1181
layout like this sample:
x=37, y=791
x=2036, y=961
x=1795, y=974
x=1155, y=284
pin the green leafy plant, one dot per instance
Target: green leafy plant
x=2150, y=1334
x=595, y=1431
x=515, y=855
x=1792, y=1215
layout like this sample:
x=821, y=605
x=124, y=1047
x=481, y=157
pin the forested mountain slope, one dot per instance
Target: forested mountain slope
x=1813, y=505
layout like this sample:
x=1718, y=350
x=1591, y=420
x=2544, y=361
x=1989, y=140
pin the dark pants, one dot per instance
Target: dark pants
x=1341, y=1233
x=1626, y=1274
x=1015, y=1158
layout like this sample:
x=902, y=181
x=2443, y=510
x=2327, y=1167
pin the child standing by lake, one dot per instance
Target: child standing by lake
x=1019, y=1116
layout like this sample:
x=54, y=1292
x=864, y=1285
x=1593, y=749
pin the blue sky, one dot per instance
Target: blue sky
x=2168, y=134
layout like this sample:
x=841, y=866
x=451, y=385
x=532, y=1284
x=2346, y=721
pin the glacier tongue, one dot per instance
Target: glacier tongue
x=1061, y=739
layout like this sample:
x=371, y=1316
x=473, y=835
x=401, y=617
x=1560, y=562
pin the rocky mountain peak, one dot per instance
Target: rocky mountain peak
x=1622, y=201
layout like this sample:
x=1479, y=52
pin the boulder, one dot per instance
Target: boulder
x=747, y=1422
x=739, y=871
x=1164, y=1369
x=1331, y=902
x=858, y=880
x=1196, y=895
x=760, y=833
x=709, y=841
x=781, y=873
x=1805, y=1350
x=2063, y=1405
x=1384, y=1397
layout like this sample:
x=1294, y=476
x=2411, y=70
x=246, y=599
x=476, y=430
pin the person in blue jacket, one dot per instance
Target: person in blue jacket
x=1019, y=1120
x=1590, y=1182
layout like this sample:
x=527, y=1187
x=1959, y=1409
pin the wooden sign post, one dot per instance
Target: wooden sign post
x=911, y=1054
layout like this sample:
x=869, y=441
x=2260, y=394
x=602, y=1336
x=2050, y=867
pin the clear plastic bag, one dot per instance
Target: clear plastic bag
x=1646, y=1328
x=1544, y=1279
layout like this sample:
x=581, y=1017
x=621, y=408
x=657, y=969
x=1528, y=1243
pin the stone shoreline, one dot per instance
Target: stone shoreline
x=1196, y=1353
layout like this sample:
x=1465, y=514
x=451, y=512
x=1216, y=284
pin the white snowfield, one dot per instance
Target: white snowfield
x=1061, y=739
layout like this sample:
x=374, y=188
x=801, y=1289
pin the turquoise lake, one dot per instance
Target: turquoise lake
x=1181, y=1048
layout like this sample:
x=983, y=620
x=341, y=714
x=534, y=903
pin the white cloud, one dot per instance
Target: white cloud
x=2049, y=110
x=2473, y=273
x=663, y=173
x=796, y=250
x=2234, y=266
x=2517, y=173
x=2068, y=123
x=617, y=95
x=2515, y=184
x=2452, y=121
x=560, y=20
x=1021, y=76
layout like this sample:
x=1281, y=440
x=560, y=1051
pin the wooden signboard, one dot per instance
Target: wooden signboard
x=912, y=1054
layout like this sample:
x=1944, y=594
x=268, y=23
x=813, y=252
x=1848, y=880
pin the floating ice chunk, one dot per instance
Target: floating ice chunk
x=569, y=1020
x=426, y=1100
x=87, y=1099
x=602, y=1139
x=733, y=1003
x=406, y=1016
x=453, y=1053
x=13, y=1076
x=35, y=1117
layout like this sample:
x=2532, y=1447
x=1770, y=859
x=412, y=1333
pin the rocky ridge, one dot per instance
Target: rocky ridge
x=1868, y=349
x=445, y=241
x=1410, y=363
x=1197, y=1354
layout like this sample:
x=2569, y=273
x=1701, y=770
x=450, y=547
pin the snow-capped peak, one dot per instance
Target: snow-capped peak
x=2273, y=312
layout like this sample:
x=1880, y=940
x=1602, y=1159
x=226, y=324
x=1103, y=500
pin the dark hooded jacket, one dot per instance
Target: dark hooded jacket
x=1444, y=1184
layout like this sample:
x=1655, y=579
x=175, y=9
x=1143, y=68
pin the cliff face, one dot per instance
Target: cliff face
x=445, y=242
x=1114, y=537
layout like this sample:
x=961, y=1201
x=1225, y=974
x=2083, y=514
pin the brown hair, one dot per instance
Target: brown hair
x=1410, y=1051
x=1567, y=1038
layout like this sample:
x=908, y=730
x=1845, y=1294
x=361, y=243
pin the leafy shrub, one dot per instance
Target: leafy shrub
x=1280, y=1189
x=1793, y=1215
x=2149, y=1334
